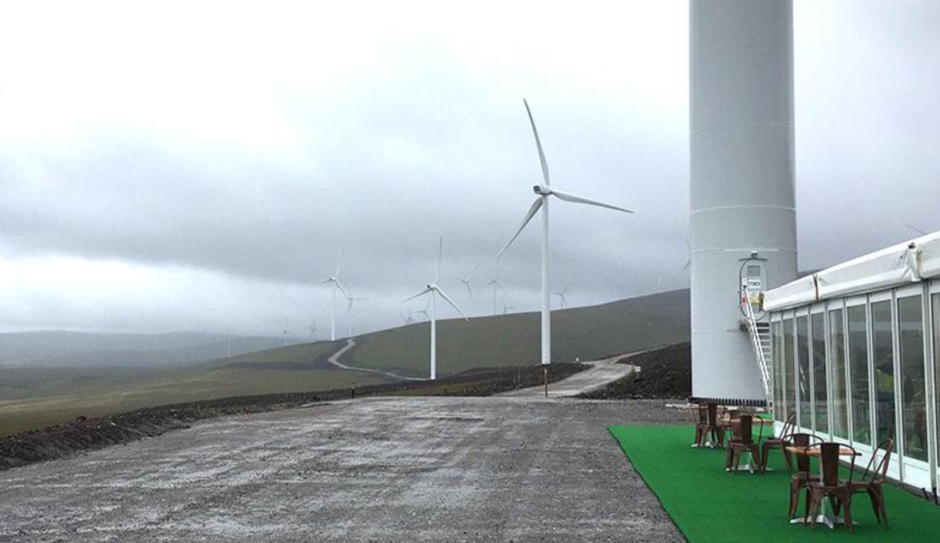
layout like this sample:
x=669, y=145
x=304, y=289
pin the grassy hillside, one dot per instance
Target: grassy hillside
x=39, y=396
x=512, y=340
x=36, y=397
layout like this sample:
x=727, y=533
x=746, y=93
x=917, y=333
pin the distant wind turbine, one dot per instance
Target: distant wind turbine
x=424, y=312
x=350, y=300
x=434, y=290
x=466, y=281
x=496, y=287
x=286, y=332
x=561, y=296
x=406, y=318
x=334, y=279
x=543, y=193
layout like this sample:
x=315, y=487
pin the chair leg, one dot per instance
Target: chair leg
x=881, y=504
x=764, y=454
x=794, y=498
x=813, y=507
x=737, y=460
x=786, y=458
x=729, y=452
x=847, y=510
x=875, y=506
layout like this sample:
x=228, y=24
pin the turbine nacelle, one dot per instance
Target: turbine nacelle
x=542, y=190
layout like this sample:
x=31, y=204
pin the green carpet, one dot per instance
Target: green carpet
x=710, y=505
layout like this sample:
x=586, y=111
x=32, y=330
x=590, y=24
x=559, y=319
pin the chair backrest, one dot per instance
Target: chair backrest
x=712, y=414
x=746, y=429
x=803, y=440
x=702, y=414
x=877, y=469
x=829, y=461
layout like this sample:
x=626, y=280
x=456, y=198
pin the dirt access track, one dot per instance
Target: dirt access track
x=375, y=469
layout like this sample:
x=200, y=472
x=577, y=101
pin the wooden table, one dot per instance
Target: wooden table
x=828, y=520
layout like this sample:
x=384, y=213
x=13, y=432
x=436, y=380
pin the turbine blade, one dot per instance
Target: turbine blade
x=568, y=197
x=451, y=302
x=343, y=289
x=339, y=266
x=528, y=217
x=688, y=264
x=918, y=230
x=440, y=256
x=474, y=272
x=418, y=295
x=538, y=143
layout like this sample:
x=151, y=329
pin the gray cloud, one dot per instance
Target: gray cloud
x=243, y=169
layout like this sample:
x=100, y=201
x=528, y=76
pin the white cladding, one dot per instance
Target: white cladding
x=742, y=186
x=901, y=264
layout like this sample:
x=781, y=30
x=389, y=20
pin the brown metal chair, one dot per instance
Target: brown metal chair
x=781, y=442
x=802, y=476
x=742, y=441
x=701, y=425
x=871, y=479
x=828, y=484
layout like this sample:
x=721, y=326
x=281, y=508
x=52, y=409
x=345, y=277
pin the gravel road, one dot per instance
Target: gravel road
x=374, y=469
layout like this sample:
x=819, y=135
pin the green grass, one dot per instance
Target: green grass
x=587, y=333
x=105, y=397
x=710, y=505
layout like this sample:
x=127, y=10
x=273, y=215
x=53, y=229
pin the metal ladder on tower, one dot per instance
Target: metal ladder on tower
x=760, y=343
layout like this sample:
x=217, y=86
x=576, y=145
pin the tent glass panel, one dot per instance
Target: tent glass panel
x=840, y=415
x=819, y=372
x=858, y=361
x=913, y=377
x=802, y=358
x=882, y=340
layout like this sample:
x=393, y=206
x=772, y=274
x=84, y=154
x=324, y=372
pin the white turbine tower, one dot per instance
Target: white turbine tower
x=434, y=290
x=334, y=280
x=350, y=300
x=543, y=192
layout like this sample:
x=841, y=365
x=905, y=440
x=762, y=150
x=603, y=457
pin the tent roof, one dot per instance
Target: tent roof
x=909, y=262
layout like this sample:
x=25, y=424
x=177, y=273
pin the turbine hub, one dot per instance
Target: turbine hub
x=541, y=190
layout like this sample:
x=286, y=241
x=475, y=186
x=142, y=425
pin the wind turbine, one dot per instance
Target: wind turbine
x=466, y=281
x=496, y=286
x=427, y=316
x=434, y=290
x=334, y=279
x=350, y=300
x=543, y=193
x=406, y=318
x=286, y=332
x=561, y=296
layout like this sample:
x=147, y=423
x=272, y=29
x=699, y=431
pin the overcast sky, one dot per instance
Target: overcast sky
x=201, y=165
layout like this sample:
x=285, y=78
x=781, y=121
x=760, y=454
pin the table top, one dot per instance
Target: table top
x=816, y=451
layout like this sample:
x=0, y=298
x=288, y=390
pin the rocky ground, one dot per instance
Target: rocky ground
x=383, y=469
x=85, y=434
x=664, y=373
